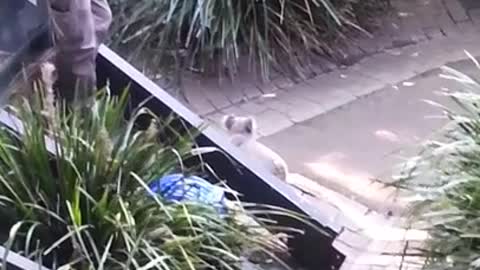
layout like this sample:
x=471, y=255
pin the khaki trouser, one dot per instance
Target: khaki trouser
x=80, y=26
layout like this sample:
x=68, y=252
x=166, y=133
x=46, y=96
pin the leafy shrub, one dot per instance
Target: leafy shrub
x=87, y=207
x=446, y=179
x=214, y=34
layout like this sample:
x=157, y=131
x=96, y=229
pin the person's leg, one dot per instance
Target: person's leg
x=76, y=46
x=102, y=15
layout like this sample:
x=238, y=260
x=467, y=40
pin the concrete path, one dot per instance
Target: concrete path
x=348, y=147
x=339, y=152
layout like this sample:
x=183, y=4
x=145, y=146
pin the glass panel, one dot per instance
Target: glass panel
x=23, y=36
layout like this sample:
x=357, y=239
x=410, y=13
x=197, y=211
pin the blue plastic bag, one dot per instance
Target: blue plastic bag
x=178, y=188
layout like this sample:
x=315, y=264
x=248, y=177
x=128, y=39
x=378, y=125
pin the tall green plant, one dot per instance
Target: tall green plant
x=89, y=206
x=215, y=34
x=446, y=180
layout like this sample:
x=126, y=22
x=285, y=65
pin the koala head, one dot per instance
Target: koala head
x=240, y=125
x=48, y=74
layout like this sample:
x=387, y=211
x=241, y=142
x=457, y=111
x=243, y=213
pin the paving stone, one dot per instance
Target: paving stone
x=283, y=82
x=244, y=83
x=202, y=107
x=271, y=122
x=456, y=30
x=387, y=68
x=357, y=84
x=251, y=92
x=434, y=7
x=324, y=91
x=234, y=110
x=444, y=21
x=200, y=88
x=352, y=266
x=277, y=105
x=350, y=252
x=398, y=4
x=267, y=87
x=246, y=265
x=409, y=30
x=369, y=45
x=456, y=10
x=454, y=48
x=468, y=29
x=252, y=107
x=297, y=109
x=217, y=98
x=381, y=42
x=214, y=118
x=475, y=15
x=471, y=4
x=354, y=83
x=384, y=262
x=354, y=239
x=322, y=65
x=433, y=32
x=399, y=42
x=371, y=255
x=280, y=107
x=411, y=23
x=472, y=47
x=330, y=100
x=348, y=54
x=433, y=55
x=233, y=91
x=426, y=15
x=198, y=101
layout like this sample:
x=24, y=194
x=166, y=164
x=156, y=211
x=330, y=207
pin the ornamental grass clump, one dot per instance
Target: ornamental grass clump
x=215, y=35
x=446, y=180
x=74, y=193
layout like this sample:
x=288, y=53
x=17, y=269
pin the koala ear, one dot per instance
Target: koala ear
x=250, y=125
x=228, y=121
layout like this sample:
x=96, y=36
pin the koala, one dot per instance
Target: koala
x=243, y=133
x=48, y=75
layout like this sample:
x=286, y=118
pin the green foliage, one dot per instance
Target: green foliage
x=446, y=178
x=214, y=34
x=87, y=207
